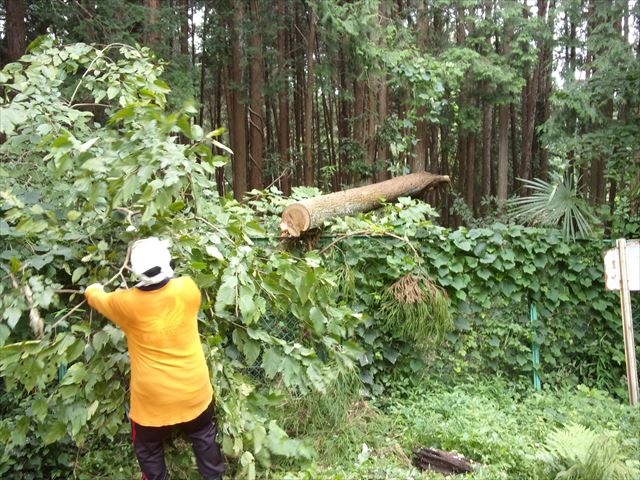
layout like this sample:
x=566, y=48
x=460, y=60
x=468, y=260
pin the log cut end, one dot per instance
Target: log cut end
x=295, y=220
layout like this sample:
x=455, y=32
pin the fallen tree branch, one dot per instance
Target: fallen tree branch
x=35, y=320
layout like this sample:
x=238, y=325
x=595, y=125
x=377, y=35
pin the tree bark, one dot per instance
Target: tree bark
x=184, y=27
x=359, y=91
x=237, y=114
x=372, y=127
x=421, y=148
x=152, y=35
x=487, y=137
x=308, y=102
x=256, y=112
x=470, y=172
x=382, y=152
x=311, y=213
x=283, y=105
x=503, y=152
x=16, y=30
x=343, y=122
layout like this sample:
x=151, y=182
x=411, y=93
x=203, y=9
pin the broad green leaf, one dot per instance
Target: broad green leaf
x=75, y=374
x=53, y=432
x=91, y=410
x=95, y=164
x=271, y=362
x=39, y=408
x=316, y=378
x=246, y=304
x=303, y=284
x=259, y=435
x=227, y=292
x=251, y=350
x=20, y=430
x=88, y=144
x=30, y=225
x=317, y=320
x=10, y=117
x=213, y=251
x=78, y=273
x=248, y=466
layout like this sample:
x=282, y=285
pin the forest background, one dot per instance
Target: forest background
x=107, y=141
x=335, y=94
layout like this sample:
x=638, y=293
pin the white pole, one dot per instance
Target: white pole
x=627, y=324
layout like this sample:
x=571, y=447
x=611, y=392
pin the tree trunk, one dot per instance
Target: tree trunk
x=327, y=118
x=372, y=127
x=545, y=87
x=152, y=34
x=15, y=30
x=283, y=105
x=237, y=114
x=359, y=90
x=470, y=172
x=256, y=112
x=382, y=153
x=216, y=120
x=421, y=148
x=311, y=213
x=308, y=102
x=298, y=105
x=529, y=94
x=487, y=137
x=184, y=27
x=204, y=65
x=444, y=169
x=513, y=138
x=419, y=163
x=343, y=122
x=503, y=152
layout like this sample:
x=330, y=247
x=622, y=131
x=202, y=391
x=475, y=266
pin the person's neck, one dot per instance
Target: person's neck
x=155, y=286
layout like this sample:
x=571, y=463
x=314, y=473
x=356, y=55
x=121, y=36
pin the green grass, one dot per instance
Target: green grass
x=509, y=433
x=501, y=430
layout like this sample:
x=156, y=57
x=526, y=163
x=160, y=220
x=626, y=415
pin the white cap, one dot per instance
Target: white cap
x=149, y=253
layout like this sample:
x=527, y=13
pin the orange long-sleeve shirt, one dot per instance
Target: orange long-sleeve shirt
x=170, y=380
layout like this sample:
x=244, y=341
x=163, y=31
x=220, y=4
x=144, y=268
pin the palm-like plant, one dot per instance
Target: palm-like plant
x=556, y=204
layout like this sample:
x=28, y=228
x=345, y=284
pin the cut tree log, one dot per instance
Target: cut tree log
x=434, y=460
x=311, y=213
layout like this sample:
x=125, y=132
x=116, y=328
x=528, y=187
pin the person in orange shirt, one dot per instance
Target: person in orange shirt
x=170, y=382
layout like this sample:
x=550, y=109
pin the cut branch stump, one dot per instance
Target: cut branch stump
x=311, y=213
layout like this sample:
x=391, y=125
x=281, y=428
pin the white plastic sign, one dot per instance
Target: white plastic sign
x=612, y=266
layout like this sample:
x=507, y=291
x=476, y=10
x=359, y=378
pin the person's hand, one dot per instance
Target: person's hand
x=95, y=285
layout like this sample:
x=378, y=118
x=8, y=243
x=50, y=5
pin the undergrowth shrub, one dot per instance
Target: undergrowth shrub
x=578, y=453
x=492, y=276
x=501, y=430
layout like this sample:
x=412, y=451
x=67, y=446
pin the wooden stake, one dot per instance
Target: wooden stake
x=627, y=323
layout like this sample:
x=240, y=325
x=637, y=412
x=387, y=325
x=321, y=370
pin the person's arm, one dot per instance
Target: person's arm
x=103, y=302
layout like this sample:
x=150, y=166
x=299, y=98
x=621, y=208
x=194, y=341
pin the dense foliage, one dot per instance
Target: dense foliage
x=493, y=275
x=504, y=433
x=93, y=159
x=77, y=187
x=329, y=94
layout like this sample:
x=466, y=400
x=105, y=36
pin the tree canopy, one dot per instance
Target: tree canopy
x=337, y=94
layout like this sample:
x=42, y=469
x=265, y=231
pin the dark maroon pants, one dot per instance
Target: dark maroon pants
x=148, y=443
